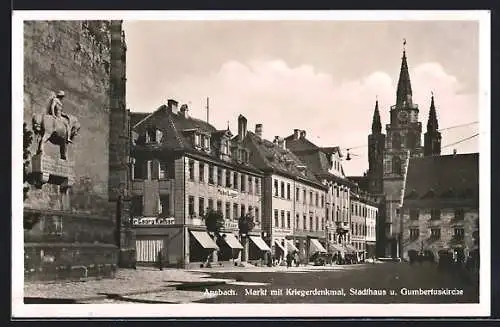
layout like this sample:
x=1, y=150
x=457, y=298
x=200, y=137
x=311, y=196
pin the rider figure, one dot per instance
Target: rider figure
x=55, y=109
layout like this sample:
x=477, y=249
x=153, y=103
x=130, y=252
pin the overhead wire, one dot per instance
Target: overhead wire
x=440, y=130
x=351, y=155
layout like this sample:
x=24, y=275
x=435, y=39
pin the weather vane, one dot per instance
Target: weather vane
x=404, y=44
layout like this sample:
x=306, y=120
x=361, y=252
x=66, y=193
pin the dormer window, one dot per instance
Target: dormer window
x=205, y=142
x=225, y=147
x=197, y=140
x=153, y=135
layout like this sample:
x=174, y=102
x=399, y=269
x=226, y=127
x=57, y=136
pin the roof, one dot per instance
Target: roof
x=443, y=181
x=176, y=128
x=362, y=182
x=315, y=157
x=136, y=117
x=268, y=156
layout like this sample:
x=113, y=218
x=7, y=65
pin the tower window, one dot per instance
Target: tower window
x=396, y=141
x=396, y=166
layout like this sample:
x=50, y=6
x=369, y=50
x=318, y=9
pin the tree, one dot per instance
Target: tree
x=245, y=225
x=27, y=139
x=214, y=221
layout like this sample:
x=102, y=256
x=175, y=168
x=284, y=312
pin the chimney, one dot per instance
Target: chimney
x=242, y=127
x=296, y=134
x=173, y=106
x=302, y=134
x=454, y=152
x=281, y=142
x=258, y=130
x=276, y=139
x=184, y=111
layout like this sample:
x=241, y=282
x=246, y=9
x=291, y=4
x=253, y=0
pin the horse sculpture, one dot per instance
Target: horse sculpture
x=52, y=128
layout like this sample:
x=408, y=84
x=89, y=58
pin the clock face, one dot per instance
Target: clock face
x=403, y=116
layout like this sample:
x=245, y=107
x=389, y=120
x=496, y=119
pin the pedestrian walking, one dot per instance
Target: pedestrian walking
x=289, y=259
x=297, y=259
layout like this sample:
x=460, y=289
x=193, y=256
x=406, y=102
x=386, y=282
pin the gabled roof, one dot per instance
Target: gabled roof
x=268, y=156
x=443, y=181
x=136, y=117
x=315, y=157
x=177, y=129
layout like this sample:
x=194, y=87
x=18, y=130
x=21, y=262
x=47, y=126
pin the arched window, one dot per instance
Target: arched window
x=396, y=141
x=396, y=165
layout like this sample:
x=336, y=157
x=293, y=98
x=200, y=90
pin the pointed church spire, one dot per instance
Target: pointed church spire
x=432, y=138
x=432, y=123
x=376, y=124
x=404, y=93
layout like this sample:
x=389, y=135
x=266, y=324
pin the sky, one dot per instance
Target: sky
x=319, y=76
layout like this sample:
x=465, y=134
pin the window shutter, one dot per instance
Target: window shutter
x=155, y=169
x=159, y=135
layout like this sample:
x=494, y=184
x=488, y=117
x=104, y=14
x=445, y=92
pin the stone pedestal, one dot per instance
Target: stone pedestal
x=46, y=169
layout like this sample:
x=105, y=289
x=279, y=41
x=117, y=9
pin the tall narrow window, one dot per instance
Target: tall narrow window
x=228, y=211
x=201, y=207
x=201, y=168
x=219, y=206
x=276, y=187
x=243, y=183
x=163, y=170
x=288, y=220
x=283, y=190
x=304, y=222
x=243, y=211
x=257, y=214
x=276, y=218
x=459, y=214
x=283, y=218
x=228, y=178
x=211, y=173
x=136, y=206
x=250, y=185
x=235, y=211
x=165, y=205
x=191, y=205
x=235, y=180
x=288, y=195
x=191, y=170
x=297, y=194
x=257, y=186
x=435, y=214
x=219, y=176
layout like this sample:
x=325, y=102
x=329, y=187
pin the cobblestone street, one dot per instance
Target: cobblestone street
x=229, y=285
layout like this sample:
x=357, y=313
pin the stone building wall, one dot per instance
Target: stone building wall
x=447, y=224
x=73, y=56
x=71, y=234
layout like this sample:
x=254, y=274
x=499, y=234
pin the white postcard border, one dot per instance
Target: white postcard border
x=20, y=310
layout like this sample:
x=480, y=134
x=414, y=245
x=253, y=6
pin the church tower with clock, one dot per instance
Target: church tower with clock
x=387, y=167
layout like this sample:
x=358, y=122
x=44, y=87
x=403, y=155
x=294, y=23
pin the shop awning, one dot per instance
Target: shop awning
x=290, y=246
x=316, y=246
x=232, y=241
x=279, y=245
x=259, y=242
x=204, y=239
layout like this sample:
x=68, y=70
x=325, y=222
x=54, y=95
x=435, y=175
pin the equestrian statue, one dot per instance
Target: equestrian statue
x=55, y=126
